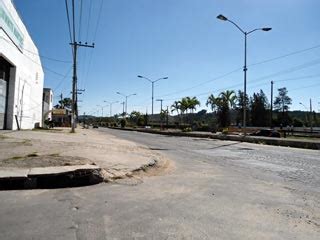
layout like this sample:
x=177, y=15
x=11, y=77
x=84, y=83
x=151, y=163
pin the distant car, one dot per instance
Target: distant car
x=95, y=126
x=267, y=133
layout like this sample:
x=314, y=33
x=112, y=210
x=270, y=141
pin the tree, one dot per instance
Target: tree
x=241, y=100
x=223, y=103
x=193, y=103
x=136, y=117
x=228, y=97
x=176, y=106
x=281, y=104
x=65, y=103
x=258, y=107
x=212, y=101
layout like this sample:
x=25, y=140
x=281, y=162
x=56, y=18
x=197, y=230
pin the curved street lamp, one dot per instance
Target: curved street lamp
x=110, y=103
x=126, y=96
x=266, y=29
x=152, y=83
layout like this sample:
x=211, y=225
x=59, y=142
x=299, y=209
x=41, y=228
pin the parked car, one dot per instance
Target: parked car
x=95, y=126
x=266, y=133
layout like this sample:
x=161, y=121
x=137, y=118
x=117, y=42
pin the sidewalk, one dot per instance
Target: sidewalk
x=62, y=156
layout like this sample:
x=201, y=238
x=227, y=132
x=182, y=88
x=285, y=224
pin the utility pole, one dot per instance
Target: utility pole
x=160, y=100
x=123, y=103
x=167, y=117
x=78, y=91
x=75, y=46
x=311, y=128
x=271, y=107
x=61, y=100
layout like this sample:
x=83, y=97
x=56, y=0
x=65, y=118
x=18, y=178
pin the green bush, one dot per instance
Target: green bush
x=123, y=123
x=187, y=129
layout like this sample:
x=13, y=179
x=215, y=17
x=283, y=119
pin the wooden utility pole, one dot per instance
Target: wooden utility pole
x=75, y=46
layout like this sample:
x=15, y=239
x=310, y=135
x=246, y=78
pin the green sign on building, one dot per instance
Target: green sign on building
x=8, y=25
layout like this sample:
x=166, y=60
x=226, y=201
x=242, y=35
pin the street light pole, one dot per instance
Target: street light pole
x=309, y=114
x=111, y=106
x=271, y=106
x=126, y=96
x=152, y=83
x=223, y=18
x=160, y=100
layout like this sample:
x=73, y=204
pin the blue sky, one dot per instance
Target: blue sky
x=181, y=39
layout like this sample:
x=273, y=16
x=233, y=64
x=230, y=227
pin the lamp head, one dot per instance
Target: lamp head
x=139, y=76
x=165, y=78
x=221, y=17
x=266, y=29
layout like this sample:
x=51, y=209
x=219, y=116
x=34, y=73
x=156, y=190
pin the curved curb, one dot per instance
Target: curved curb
x=50, y=177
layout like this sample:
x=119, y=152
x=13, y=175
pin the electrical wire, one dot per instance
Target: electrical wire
x=94, y=38
x=68, y=18
x=36, y=54
x=44, y=67
x=286, y=55
x=254, y=64
x=80, y=20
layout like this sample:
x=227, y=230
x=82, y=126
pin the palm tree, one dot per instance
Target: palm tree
x=228, y=97
x=184, y=105
x=176, y=107
x=222, y=104
x=193, y=102
x=213, y=102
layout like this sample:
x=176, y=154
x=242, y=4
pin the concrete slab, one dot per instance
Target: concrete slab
x=60, y=170
x=14, y=173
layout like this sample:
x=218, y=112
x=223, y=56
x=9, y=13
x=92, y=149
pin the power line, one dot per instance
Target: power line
x=98, y=21
x=39, y=64
x=89, y=17
x=94, y=38
x=286, y=55
x=62, y=79
x=80, y=20
x=203, y=83
x=290, y=70
x=34, y=53
x=254, y=64
x=68, y=18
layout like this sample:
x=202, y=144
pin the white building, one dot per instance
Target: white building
x=21, y=73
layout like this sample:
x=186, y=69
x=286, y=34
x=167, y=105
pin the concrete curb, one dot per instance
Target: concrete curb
x=250, y=139
x=65, y=176
x=49, y=177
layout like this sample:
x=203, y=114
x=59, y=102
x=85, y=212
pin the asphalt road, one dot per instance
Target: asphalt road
x=215, y=190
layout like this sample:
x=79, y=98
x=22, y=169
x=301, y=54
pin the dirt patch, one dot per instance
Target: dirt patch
x=34, y=160
x=158, y=167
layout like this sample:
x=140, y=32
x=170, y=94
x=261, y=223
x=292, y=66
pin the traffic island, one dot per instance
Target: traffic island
x=47, y=159
x=284, y=142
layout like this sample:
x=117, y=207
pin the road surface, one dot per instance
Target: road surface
x=213, y=190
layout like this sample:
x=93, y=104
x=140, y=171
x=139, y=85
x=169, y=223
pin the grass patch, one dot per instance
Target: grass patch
x=47, y=130
x=3, y=137
x=54, y=155
x=303, y=138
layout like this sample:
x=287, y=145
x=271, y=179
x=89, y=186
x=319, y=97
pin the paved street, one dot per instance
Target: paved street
x=212, y=190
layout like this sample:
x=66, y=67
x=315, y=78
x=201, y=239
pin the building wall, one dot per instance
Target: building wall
x=47, y=103
x=26, y=80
